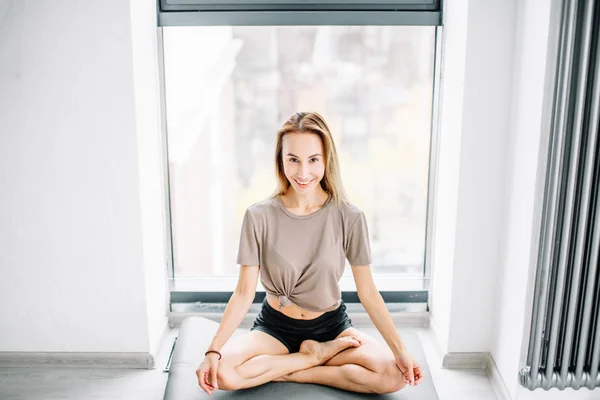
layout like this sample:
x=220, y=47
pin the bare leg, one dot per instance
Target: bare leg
x=265, y=368
x=351, y=377
x=368, y=369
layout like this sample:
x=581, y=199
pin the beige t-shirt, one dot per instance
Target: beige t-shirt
x=301, y=257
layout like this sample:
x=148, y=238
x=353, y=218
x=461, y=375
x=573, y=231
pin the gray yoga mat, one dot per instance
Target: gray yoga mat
x=194, y=338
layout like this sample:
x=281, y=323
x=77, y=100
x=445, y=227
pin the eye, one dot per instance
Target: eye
x=293, y=159
x=314, y=159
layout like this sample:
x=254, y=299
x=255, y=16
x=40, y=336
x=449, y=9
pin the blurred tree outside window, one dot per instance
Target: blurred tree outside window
x=228, y=91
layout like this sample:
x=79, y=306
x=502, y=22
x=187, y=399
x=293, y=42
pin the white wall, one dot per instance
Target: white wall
x=488, y=207
x=454, y=41
x=77, y=275
x=486, y=109
x=527, y=145
x=146, y=82
x=475, y=110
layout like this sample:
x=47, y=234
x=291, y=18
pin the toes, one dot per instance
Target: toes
x=351, y=341
x=357, y=341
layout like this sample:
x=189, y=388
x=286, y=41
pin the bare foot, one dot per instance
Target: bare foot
x=323, y=352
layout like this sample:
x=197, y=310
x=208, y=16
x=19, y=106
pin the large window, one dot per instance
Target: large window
x=228, y=91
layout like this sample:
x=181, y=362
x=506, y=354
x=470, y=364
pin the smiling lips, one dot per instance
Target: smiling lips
x=303, y=184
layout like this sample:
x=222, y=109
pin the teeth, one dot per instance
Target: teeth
x=304, y=183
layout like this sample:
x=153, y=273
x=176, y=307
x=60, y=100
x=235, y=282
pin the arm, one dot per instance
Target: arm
x=237, y=306
x=373, y=302
x=375, y=306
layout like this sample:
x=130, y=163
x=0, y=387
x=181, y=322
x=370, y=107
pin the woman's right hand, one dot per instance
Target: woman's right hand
x=207, y=373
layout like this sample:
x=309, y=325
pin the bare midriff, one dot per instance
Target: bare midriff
x=292, y=310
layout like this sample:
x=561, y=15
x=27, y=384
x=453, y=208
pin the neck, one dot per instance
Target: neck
x=306, y=200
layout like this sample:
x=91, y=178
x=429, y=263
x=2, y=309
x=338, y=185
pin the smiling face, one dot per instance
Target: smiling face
x=303, y=161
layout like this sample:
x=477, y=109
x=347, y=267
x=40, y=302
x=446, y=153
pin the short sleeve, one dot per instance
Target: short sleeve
x=249, y=249
x=358, y=248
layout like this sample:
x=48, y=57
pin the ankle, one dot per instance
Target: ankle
x=313, y=359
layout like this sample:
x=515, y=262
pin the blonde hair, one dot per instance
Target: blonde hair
x=311, y=122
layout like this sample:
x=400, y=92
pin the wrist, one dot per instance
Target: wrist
x=214, y=353
x=398, y=350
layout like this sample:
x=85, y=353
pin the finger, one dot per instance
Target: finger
x=417, y=372
x=208, y=380
x=202, y=382
x=209, y=384
x=410, y=375
x=215, y=382
x=203, y=385
x=419, y=376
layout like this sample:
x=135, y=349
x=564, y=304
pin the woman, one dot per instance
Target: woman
x=298, y=240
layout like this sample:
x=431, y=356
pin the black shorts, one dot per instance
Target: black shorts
x=292, y=332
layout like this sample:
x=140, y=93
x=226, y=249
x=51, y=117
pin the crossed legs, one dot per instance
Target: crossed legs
x=353, y=361
x=369, y=368
x=245, y=366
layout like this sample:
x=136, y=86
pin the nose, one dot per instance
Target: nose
x=304, y=172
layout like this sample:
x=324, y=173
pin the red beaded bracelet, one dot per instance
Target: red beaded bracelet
x=213, y=351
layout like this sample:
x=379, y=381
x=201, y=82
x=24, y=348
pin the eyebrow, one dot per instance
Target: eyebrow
x=293, y=155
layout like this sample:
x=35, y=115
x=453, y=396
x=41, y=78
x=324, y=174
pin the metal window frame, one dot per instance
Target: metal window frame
x=287, y=12
x=433, y=152
x=297, y=4
x=417, y=296
x=335, y=15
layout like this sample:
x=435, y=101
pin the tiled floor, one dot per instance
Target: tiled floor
x=120, y=384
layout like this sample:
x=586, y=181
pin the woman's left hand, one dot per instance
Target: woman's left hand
x=409, y=368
